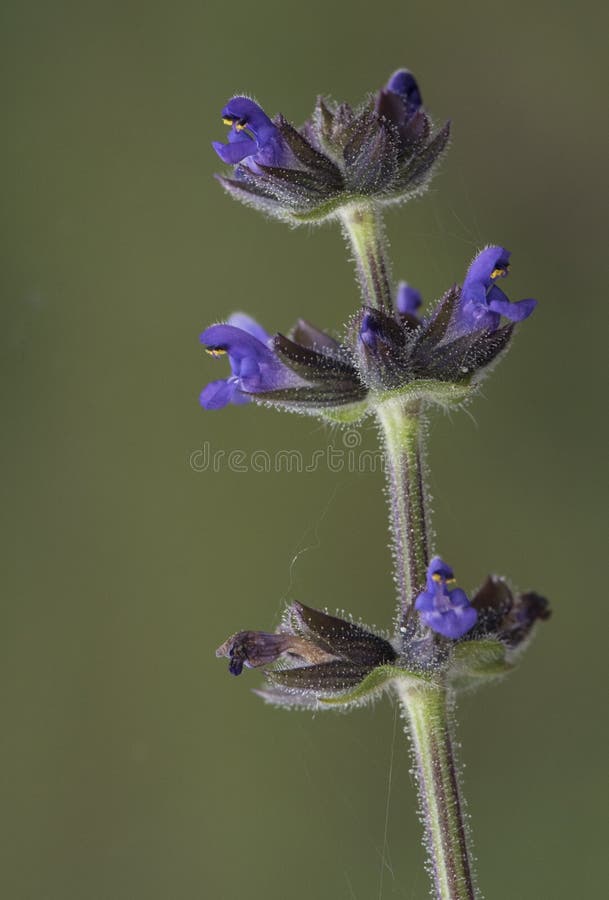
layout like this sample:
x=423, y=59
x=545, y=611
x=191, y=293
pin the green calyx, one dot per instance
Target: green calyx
x=474, y=662
x=440, y=393
x=373, y=684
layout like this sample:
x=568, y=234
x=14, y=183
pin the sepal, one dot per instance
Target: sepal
x=347, y=639
x=331, y=384
x=377, y=681
x=474, y=661
x=512, y=617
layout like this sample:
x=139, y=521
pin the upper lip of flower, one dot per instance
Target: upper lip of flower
x=253, y=364
x=407, y=300
x=438, y=570
x=404, y=84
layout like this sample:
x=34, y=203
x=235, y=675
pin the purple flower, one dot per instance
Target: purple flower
x=445, y=610
x=482, y=302
x=381, y=347
x=400, y=104
x=408, y=300
x=369, y=331
x=404, y=84
x=253, y=140
x=254, y=366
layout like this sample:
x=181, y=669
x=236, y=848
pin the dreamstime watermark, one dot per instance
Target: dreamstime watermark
x=348, y=458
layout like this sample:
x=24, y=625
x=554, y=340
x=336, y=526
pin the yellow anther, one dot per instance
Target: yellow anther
x=215, y=352
x=436, y=577
x=451, y=581
x=238, y=123
x=499, y=272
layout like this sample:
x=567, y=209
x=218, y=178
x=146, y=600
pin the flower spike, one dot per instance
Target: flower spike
x=395, y=359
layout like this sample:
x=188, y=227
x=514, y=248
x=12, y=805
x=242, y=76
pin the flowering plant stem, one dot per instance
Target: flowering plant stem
x=427, y=711
x=364, y=231
x=394, y=362
x=401, y=426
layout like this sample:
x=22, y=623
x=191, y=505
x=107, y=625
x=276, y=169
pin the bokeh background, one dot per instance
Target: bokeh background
x=132, y=766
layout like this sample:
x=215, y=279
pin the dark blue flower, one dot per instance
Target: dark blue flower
x=445, y=610
x=253, y=139
x=381, y=348
x=400, y=104
x=404, y=84
x=482, y=302
x=408, y=300
x=369, y=331
x=254, y=366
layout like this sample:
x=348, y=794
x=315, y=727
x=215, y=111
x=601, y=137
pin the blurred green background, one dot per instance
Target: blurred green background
x=132, y=765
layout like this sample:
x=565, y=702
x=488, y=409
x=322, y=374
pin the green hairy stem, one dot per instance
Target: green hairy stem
x=363, y=229
x=402, y=426
x=427, y=711
x=426, y=706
